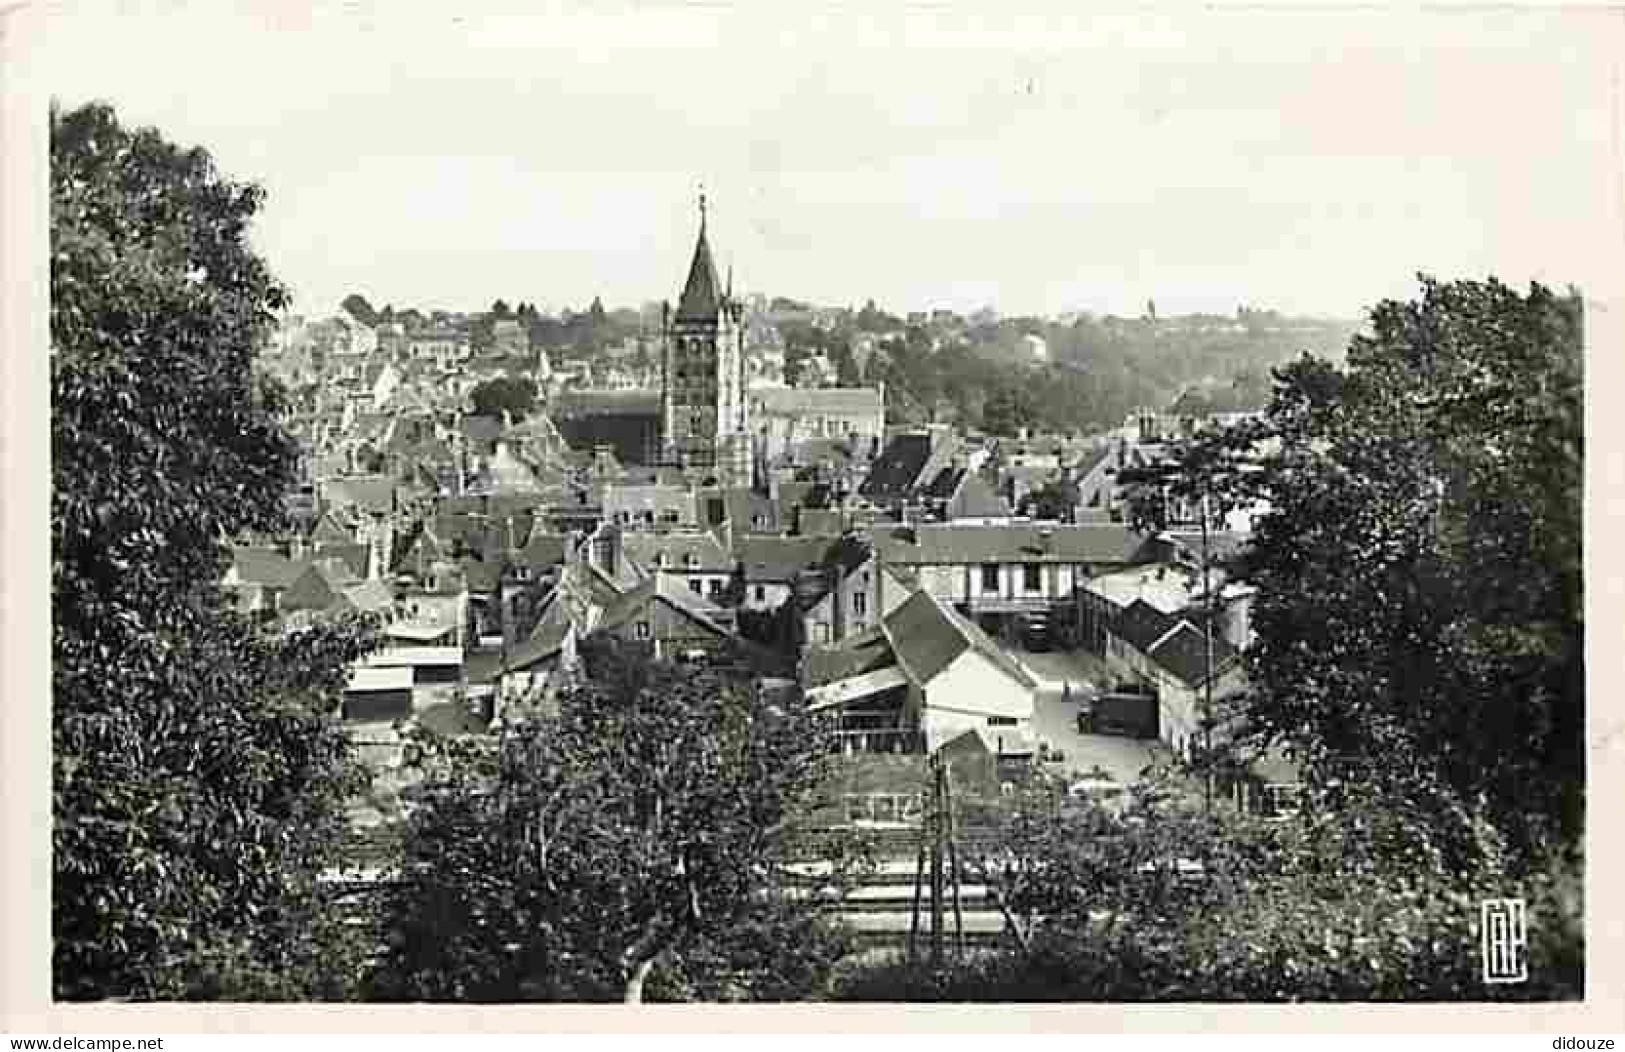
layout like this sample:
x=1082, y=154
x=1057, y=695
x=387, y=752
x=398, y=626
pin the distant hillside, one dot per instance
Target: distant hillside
x=1091, y=374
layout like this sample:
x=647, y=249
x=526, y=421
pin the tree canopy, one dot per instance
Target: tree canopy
x=1160, y=902
x=199, y=775
x=360, y=309
x=1419, y=612
x=513, y=394
x=623, y=841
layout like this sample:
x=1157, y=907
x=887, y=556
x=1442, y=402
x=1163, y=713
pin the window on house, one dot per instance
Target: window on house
x=860, y=603
x=821, y=633
x=695, y=587
x=641, y=630
x=761, y=593
x=1031, y=577
x=691, y=560
x=1001, y=721
x=660, y=559
x=990, y=577
x=715, y=587
x=1280, y=800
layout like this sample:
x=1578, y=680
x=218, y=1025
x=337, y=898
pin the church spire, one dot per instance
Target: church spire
x=700, y=300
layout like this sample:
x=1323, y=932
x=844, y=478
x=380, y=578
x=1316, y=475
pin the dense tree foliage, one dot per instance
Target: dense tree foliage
x=198, y=772
x=360, y=309
x=1419, y=617
x=1007, y=412
x=1056, y=500
x=515, y=395
x=619, y=844
x=1099, y=370
x=1164, y=903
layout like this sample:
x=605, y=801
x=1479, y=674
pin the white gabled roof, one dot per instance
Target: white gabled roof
x=371, y=678
x=409, y=657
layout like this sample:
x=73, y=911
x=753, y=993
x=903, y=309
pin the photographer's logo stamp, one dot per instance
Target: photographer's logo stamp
x=1504, y=940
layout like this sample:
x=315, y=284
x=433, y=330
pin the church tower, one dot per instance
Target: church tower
x=704, y=416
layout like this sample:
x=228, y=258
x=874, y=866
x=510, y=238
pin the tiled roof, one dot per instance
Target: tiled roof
x=865, y=652
x=545, y=641
x=484, y=576
x=1093, y=459
x=897, y=468
x=927, y=637
x=482, y=428
x=587, y=403
x=779, y=559
x=372, y=596
x=680, y=595
x=459, y=505
x=373, y=493
x=1141, y=625
x=820, y=520
x=447, y=530
x=925, y=641
x=543, y=549
x=1184, y=653
x=352, y=556
x=675, y=594
x=750, y=511
x=969, y=544
x=945, y=484
x=977, y=500
x=646, y=548
x=628, y=605
x=1031, y=475
x=817, y=450
x=327, y=529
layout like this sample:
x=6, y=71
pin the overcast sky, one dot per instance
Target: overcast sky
x=1311, y=161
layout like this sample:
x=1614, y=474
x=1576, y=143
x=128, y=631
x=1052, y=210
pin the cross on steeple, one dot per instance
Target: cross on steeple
x=702, y=207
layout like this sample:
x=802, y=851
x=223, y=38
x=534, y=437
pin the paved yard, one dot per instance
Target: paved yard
x=1054, y=668
x=1055, y=717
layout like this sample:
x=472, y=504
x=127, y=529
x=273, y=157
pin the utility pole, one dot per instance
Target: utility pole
x=938, y=854
x=1207, y=668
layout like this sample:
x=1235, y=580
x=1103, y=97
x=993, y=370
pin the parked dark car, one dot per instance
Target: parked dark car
x=1131, y=715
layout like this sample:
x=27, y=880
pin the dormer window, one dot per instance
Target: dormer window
x=691, y=560
x=660, y=560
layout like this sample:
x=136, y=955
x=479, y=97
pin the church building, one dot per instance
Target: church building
x=705, y=425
